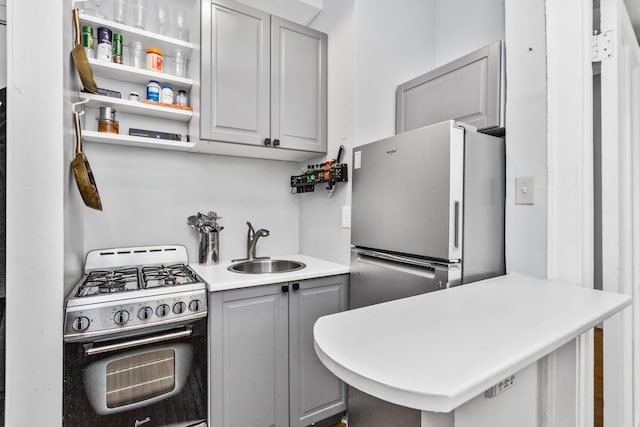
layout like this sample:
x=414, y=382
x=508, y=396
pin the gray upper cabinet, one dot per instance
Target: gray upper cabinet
x=235, y=76
x=298, y=86
x=264, y=369
x=470, y=89
x=264, y=81
x=315, y=393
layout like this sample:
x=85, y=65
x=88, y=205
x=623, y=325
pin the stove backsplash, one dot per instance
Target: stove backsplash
x=147, y=196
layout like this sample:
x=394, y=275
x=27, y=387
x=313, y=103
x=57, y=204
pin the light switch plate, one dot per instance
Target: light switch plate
x=524, y=190
x=346, y=217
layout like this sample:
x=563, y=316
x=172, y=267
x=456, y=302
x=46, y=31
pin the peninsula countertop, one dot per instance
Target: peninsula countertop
x=436, y=351
x=220, y=279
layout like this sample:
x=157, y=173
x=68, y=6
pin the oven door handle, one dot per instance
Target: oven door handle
x=136, y=343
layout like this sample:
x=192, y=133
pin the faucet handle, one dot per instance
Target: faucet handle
x=251, y=230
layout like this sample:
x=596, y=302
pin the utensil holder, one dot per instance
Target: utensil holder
x=209, y=248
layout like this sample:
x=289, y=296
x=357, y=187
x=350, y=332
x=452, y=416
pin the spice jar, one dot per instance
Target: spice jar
x=117, y=48
x=154, y=59
x=87, y=40
x=104, y=50
x=181, y=99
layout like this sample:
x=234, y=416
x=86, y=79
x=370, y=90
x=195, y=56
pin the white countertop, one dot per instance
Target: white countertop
x=221, y=279
x=436, y=351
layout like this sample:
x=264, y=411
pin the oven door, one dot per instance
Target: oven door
x=146, y=380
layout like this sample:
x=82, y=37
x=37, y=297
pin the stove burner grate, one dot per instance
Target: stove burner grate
x=109, y=281
x=167, y=275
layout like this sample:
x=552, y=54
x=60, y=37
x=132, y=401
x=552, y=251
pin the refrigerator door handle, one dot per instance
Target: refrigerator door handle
x=396, y=264
x=456, y=230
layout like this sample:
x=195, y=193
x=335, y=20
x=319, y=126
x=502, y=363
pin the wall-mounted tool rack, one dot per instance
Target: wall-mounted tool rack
x=305, y=183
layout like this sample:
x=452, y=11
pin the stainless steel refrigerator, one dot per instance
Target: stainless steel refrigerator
x=427, y=214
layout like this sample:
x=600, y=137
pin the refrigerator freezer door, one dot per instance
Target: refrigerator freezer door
x=407, y=193
x=378, y=277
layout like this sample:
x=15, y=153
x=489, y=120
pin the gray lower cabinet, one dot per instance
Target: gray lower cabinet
x=263, y=80
x=264, y=370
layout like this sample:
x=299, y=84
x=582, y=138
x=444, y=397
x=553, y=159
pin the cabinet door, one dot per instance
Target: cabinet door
x=235, y=73
x=249, y=376
x=315, y=393
x=298, y=86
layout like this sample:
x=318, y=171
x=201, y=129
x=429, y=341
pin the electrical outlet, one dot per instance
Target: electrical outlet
x=346, y=217
x=501, y=387
x=524, y=190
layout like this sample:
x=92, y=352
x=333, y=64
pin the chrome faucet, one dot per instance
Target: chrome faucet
x=252, y=240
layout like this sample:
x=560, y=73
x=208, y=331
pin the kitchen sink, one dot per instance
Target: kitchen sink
x=260, y=266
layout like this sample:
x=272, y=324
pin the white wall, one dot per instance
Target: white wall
x=463, y=26
x=373, y=47
x=392, y=45
x=321, y=233
x=36, y=166
x=147, y=196
x=526, y=225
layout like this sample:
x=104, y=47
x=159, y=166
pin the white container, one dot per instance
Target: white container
x=153, y=91
x=166, y=96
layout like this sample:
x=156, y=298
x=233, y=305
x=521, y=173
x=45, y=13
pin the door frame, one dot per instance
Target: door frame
x=570, y=200
x=620, y=81
x=570, y=233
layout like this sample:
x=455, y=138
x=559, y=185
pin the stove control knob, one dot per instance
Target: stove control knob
x=195, y=305
x=162, y=310
x=179, y=307
x=80, y=323
x=121, y=317
x=145, y=313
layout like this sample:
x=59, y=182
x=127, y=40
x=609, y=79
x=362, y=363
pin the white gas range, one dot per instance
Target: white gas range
x=125, y=289
x=135, y=337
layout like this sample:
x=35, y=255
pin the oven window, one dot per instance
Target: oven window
x=139, y=377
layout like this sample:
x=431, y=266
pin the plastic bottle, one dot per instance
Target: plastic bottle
x=153, y=91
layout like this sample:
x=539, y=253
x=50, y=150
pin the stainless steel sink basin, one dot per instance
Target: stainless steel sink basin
x=261, y=266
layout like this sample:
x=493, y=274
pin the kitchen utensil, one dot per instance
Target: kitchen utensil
x=340, y=151
x=82, y=171
x=80, y=58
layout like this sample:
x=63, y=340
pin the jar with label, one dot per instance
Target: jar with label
x=105, y=48
x=154, y=59
x=117, y=48
x=153, y=91
x=87, y=40
x=166, y=95
x=181, y=99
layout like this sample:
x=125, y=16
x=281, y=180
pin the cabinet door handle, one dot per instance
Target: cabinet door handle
x=285, y=288
x=295, y=286
x=267, y=141
x=276, y=142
